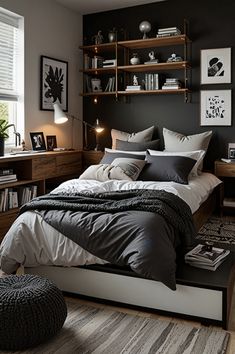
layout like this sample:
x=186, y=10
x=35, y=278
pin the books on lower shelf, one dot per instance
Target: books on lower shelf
x=12, y=198
x=206, y=257
x=171, y=84
x=110, y=87
x=8, y=178
x=151, y=82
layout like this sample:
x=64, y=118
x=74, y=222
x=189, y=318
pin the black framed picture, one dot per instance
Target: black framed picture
x=54, y=83
x=51, y=142
x=38, y=141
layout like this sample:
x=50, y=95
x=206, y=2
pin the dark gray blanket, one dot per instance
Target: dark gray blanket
x=139, y=228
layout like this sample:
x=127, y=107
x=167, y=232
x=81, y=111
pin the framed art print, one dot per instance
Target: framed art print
x=216, y=108
x=216, y=66
x=54, y=83
x=38, y=141
x=51, y=142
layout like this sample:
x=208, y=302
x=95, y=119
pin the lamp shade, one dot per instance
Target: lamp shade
x=59, y=116
x=98, y=127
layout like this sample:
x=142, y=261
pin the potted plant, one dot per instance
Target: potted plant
x=3, y=134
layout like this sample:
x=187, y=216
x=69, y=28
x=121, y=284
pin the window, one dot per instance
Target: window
x=12, y=72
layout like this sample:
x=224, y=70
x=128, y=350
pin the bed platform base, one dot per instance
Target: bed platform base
x=201, y=295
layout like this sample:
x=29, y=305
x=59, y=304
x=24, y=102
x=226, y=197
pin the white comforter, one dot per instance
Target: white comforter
x=32, y=242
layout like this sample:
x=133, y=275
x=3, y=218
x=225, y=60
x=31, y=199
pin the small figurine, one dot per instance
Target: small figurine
x=135, y=80
x=151, y=55
x=174, y=57
x=98, y=38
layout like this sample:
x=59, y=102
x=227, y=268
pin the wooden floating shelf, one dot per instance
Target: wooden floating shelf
x=155, y=42
x=154, y=67
x=98, y=48
x=137, y=92
x=97, y=71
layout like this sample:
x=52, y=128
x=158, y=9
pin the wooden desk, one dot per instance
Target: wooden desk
x=36, y=170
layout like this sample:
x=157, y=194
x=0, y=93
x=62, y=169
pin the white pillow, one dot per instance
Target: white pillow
x=196, y=155
x=144, y=135
x=178, y=142
x=142, y=153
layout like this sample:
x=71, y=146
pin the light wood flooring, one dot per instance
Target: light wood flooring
x=231, y=330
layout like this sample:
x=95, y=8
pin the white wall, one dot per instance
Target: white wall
x=53, y=31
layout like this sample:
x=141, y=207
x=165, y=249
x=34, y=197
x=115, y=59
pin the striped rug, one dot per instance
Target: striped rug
x=102, y=331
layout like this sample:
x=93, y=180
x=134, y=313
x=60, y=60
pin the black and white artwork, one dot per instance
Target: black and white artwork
x=216, y=107
x=38, y=141
x=54, y=83
x=216, y=66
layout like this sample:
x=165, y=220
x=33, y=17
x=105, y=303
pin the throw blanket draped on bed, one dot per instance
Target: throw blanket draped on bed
x=139, y=228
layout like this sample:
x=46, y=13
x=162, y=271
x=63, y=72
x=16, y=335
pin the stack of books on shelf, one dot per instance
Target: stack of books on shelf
x=133, y=88
x=171, y=84
x=109, y=63
x=206, y=257
x=110, y=87
x=8, y=199
x=168, y=31
x=151, y=82
x=27, y=193
x=97, y=62
x=7, y=175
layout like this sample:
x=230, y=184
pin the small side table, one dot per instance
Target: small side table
x=225, y=170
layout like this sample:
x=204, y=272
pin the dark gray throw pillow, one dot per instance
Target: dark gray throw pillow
x=110, y=156
x=128, y=146
x=167, y=168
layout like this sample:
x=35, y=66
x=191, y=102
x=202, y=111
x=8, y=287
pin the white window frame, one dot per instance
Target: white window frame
x=15, y=99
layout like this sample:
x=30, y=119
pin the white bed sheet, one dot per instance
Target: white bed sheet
x=32, y=242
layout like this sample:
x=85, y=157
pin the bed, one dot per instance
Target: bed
x=43, y=250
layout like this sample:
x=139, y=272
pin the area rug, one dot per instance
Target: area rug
x=101, y=331
x=218, y=230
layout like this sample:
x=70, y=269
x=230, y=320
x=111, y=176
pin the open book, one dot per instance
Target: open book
x=202, y=257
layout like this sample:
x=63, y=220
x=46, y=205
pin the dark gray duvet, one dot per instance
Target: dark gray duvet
x=138, y=228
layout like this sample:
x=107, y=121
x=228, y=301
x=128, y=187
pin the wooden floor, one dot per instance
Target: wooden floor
x=231, y=349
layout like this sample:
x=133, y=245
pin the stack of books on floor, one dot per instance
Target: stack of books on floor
x=7, y=176
x=133, y=88
x=168, y=31
x=171, y=84
x=206, y=257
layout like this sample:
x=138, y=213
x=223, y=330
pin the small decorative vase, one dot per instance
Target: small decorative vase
x=135, y=60
x=112, y=36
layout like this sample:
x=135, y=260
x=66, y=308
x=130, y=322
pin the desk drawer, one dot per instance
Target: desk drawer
x=69, y=164
x=44, y=167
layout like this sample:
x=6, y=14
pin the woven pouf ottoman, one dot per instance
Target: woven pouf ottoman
x=32, y=310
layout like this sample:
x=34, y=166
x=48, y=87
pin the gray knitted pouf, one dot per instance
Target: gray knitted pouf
x=32, y=309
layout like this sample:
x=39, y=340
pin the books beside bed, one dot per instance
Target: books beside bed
x=206, y=257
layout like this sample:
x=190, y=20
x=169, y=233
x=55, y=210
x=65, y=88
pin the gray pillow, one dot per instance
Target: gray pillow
x=131, y=167
x=144, y=135
x=128, y=146
x=110, y=156
x=179, y=142
x=167, y=168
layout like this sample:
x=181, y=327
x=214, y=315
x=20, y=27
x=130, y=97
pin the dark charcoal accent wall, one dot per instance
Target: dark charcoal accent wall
x=212, y=25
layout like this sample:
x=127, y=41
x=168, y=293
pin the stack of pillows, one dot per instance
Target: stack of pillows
x=136, y=156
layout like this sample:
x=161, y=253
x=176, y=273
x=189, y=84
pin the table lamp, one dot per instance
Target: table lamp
x=61, y=117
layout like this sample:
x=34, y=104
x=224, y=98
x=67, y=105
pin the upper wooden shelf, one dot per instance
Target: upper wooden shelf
x=137, y=43
x=154, y=67
x=99, y=48
x=155, y=42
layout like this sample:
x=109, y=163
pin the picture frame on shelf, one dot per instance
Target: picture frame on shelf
x=38, y=141
x=216, y=108
x=51, y=142
x=216, y=66
x=53, y=83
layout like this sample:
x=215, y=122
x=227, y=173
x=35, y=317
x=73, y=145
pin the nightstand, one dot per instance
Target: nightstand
x=225, y=170
x=91, y=157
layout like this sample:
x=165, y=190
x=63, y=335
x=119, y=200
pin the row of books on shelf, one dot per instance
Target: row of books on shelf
x=171, y=84
x=97, y=62
x=206, y=257
x=11, y=198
